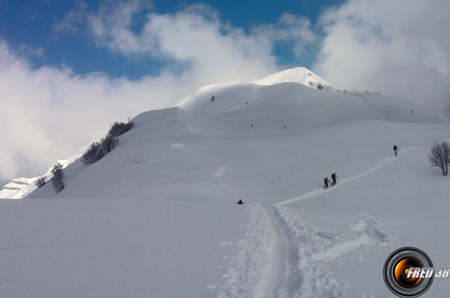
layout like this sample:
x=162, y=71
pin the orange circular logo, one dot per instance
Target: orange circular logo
x=408, y=272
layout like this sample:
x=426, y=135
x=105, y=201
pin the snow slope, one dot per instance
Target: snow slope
x=299, y=75
x=157, y=217
x=19, y=188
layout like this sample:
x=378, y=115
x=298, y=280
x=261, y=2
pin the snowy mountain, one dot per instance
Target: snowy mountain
x=299, y=75
x=19, y=188
x=157, y=216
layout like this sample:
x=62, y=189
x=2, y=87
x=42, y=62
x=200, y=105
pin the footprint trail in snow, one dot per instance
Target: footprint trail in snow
x=281, y=257
x=343, y=181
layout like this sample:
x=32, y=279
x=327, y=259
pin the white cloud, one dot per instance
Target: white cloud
x=110, y=26
x=49, y=113
x=401, y=48
x=290, y=28
x=194, y=37
x=72, y=19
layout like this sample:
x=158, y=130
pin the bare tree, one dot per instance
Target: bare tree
x=440, y=156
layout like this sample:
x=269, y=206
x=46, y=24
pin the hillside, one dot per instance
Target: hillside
x=157, y=217
x=20, y=187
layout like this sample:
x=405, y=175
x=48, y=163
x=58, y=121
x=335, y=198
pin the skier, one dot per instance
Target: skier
x=240, y=202
x=395, y=149
x=333, y=177
x=325, y=180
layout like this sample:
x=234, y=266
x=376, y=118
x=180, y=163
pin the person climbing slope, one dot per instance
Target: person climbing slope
x=325, y=180
x=395, y=149
x=333, y=177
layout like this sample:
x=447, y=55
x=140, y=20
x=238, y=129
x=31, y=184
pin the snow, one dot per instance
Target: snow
x=298, y=75
x=157, y=216
x=119, y=248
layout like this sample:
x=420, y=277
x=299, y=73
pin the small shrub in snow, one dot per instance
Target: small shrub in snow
x=40, y=182
x=93, y=154
x=109, y=142
x=58, y=177
x=98, y=150
x=319, y=86
x=440, y=156
x=119, y=128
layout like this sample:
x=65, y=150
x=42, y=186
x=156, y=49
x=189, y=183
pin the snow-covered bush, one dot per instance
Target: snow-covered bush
x=440, y=156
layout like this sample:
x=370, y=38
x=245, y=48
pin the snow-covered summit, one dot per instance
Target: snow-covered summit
x=299, y=75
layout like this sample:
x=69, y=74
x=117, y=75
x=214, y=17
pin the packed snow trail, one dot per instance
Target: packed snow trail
x=281, y=257
x=343, y=181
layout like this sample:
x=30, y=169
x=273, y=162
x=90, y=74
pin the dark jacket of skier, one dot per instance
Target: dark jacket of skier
x=333, y=177
x=395, y=149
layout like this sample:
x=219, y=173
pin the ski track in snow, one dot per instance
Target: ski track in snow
x=281, y=257
x=343, y=181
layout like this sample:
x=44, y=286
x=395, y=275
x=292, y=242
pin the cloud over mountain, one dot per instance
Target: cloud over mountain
x=400, y=48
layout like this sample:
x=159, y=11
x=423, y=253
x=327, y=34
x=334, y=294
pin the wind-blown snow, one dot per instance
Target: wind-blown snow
x=157, y=217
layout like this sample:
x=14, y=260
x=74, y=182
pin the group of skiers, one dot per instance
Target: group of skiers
x=334, y=176
x=326, y=181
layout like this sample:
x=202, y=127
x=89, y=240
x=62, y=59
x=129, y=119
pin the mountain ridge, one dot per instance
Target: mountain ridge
x=292, y=90
x=20, y=187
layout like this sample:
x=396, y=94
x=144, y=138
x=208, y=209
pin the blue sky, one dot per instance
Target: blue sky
x=31, y=28
x=69, y=69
